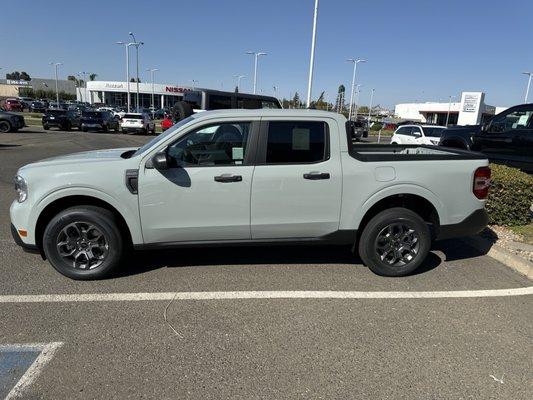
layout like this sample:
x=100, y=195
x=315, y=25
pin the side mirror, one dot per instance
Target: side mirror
x=161, y=161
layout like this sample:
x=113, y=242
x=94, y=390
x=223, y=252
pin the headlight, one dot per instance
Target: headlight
x=22, y=188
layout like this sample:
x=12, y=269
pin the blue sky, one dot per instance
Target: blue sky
x=416, y=50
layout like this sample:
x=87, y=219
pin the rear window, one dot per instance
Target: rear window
x=296, y=142
x=132, y=116
x=217, y=102
x=92, y=114
x=433, y=132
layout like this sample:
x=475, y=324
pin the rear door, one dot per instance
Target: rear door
x=416, y=136
x=297, y=182
x=403, y=134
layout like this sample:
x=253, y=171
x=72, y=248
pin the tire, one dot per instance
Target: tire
x=83, y=129
x=181, y=110
x=394, y=143
x=67, y=126
x=5, y=127
x=378, y=237
x=46, y=127
x=108, y=250
x=116, y=130
x=104, y=128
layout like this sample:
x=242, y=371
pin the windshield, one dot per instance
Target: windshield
x=163, y=136
x=433, y=132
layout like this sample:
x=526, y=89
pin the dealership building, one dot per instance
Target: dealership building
x=471, y=110
x=111, y=93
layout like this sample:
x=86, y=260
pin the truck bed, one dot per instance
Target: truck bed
x=393, y=152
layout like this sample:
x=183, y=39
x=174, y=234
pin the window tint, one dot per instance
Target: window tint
x=296, y=142
x=433, y=132
x=249, y=104
x=217, y=102
x=223, y=144
x=515, y=120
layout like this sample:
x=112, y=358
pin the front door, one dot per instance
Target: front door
x=205, y=195
x=297, y=183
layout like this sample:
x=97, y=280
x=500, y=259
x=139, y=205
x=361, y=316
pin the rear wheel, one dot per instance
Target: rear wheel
x=83, y=242
x=67, y=126
x=46, y=127
x=104, y=128
x=395, y=242
x=5, y=126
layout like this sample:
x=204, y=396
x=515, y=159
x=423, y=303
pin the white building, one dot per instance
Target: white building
x=471, y=110
x=112, y=93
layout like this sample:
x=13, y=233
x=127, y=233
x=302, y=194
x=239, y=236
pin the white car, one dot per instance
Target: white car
x=418, y=134
x=137, y=122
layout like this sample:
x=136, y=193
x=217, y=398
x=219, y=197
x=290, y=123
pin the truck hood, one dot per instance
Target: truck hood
x=86, y=156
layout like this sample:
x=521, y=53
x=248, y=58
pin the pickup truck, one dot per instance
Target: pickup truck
x=249, y=177
x=506, y=138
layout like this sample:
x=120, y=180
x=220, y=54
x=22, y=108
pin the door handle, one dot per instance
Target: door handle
x=316, y=175
x=228, y=178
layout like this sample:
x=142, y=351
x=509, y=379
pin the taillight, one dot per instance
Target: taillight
x=481, y=185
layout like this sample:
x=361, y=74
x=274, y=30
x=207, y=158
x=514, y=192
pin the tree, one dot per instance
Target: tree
x=236, y=89
x=24, y=76
x=92, y=77
x=13, y=75
x=340, y=101
x=135, y=80
x=362, y=110
x=296, y=100
x=71, y=78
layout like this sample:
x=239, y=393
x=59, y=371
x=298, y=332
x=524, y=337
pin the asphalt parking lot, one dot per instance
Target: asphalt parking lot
x=252, y=333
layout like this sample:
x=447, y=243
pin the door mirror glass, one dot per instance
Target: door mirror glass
x=160, y=161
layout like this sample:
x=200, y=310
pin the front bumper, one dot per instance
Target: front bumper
x=471, y=225
x=30, y=248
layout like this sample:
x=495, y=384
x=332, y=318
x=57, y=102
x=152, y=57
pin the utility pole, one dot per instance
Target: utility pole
x=355, y=62
x=449, y=107
x=370, y=107
x=127, y=47
x=528, y=85
x=256, y=55
x=312, y=60
x=152, y=70
x=56, y=65
x=137, y=44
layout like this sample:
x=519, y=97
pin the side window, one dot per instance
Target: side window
x=249, y=104
x=217, y=102
x=415, y=131
x=518, y=119
x=296, y=142
x=405, y=130
x=221, y=144
x=269, y=104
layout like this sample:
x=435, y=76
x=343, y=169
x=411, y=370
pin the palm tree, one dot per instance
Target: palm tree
x=92, y=77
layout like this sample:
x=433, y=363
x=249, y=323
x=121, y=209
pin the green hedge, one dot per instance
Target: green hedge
x=510, y=196
x=376, y=127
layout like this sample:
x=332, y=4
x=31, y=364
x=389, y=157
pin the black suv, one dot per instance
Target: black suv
x=506, y=138
x=10, y=122
x=62, y=119
x=101, y=121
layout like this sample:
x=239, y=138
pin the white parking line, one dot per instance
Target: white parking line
x=47, y=352
x=241, y=295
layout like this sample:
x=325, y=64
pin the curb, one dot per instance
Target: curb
x=519, y=264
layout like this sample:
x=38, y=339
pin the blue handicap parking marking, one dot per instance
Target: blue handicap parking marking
x=14, y=362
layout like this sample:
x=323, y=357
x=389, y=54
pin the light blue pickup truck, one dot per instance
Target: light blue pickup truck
x=241, y=177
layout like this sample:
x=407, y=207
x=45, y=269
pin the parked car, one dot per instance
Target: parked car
x=418, y=134
x=37, y=106
x=12, y=104
x=57, y=106
x=62, y=119
x=102, y=121
x=10, y=122
x=249, y=177
x=203, y=100
x=26, y=102
x=137, y=123
x=358, y=130
x=507, y=138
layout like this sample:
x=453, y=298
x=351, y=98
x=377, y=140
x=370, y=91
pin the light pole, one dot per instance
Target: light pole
x=355, y=62
x=370, y=108
x=56, y=65
x=127, y=47
x=528, y=84
x=238, y=78
x=85, y=80
x=152, y=70
x=137, y=44
x=357, y=91
x=312, y=58
x=256, y=56
x=449, y=107
x=194, y=82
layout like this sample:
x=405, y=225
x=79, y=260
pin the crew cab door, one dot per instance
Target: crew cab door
x=297, y=182
x=205, y=194
x=505, y=137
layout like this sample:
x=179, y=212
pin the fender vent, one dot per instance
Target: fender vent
x=132, y=180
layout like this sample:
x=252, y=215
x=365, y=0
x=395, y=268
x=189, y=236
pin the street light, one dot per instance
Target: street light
x=127, y=47
x=194, y=82
x=137, y=44
x=85, y=79
x=370, y=108
x=355, y=62
x=152, y=70
x=528, y=84
x=357, y=91
x=312, y=59
x=57, y=88
x=449, y=107
x=256, y=56
x=238, y=78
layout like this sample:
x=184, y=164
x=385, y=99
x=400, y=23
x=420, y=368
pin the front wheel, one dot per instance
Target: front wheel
x=83, y=242
x=395, y=242
x=5, y=126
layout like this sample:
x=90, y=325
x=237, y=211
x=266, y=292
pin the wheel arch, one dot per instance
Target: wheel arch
x=62, y=203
